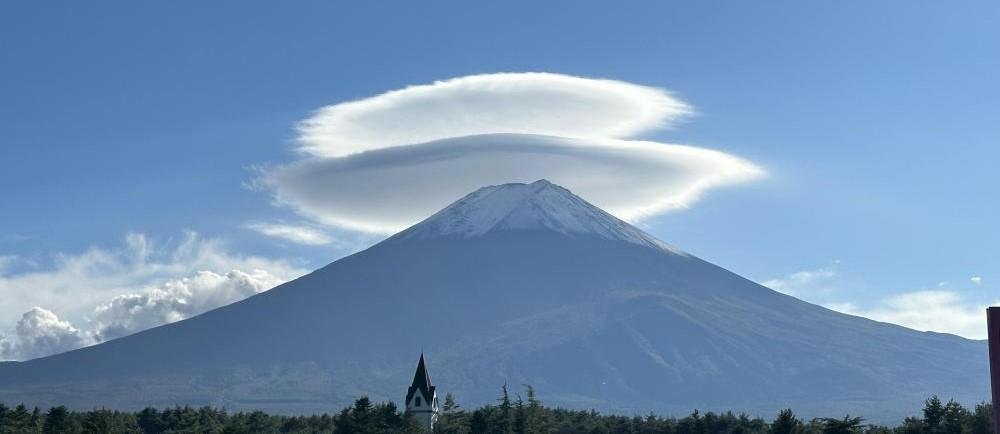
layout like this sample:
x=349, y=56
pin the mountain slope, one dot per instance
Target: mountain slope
x=519, y=283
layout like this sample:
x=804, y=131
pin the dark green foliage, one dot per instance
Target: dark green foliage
x=847, y=425
x=786, y=423
x=933, y=414
x=512, y=414
x=58, y=420
x=453, y=419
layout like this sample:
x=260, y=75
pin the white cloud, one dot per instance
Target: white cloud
x=166, y=280
x=528, y=103
x=803, y=282
x=386, y=190
x=976, y=280
x=176, y=300
x=931, y=310
x=383, y=163
x=299, y=234
x=39, y=333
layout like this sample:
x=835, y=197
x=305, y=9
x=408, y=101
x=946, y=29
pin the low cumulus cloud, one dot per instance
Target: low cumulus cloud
x=383, y=163
x=176, y=300
x=39, y=333
x=104, y=293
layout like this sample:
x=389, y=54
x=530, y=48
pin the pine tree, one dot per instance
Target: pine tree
x=57, y=420
x=453, y=419
x=538, y=420
x=847, y=425
x=786, y=423
x=933, y=414
x=520, y=424
x=150, y=421
x=18, y=420
x=980, y=421
x=501, y=424
x=954, y=418
x=913, y=425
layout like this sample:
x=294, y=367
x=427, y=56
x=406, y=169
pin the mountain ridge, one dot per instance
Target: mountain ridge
x=590, y=320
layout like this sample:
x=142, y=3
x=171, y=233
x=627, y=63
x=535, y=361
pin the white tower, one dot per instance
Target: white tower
x=421, y=398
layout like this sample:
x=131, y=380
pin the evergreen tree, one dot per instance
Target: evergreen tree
x=980, y=421
x=954, y=418
x=538, y=420
x=786, y=423
x=933, y=414
x=912, y=425
x=109, y=422
x=260, y=422
x=501, y=424
x=58, y=420
x=18, y=420
x=847, y=425
x=453, y=419
x=149, y=421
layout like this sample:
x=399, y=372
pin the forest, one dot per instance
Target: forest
x=512, y=414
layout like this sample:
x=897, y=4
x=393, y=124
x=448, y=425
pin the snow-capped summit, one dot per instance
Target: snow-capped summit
x=540, y=205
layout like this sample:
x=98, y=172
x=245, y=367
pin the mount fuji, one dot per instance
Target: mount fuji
x=519, y=284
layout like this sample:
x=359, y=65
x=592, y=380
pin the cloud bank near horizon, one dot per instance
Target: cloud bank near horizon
x=380, y=164
x=103, y=293
x=944, y=309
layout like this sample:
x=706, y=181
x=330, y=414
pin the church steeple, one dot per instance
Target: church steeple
x=421, y=397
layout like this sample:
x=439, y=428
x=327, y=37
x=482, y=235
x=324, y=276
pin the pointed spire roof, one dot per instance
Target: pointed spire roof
x=421, y=382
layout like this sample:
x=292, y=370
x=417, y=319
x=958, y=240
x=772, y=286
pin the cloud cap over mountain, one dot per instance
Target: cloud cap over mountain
x=383, y=163
x=388, y=189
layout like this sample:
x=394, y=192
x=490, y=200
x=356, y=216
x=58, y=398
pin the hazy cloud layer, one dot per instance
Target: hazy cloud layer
x=932, y=310
x=529, y=103
x=108, y=292
x=380, y=164
x=944, y=309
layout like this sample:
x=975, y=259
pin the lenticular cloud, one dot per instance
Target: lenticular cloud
x=383, y=163
x=528, y=103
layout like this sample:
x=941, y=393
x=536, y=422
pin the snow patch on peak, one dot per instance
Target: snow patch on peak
x=517, y=206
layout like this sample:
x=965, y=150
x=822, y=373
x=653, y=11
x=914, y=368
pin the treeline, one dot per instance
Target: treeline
x=511, y=414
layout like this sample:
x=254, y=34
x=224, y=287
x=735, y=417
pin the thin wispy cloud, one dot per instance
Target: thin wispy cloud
x=804, y=282
x=381, y=164
x=298, y=234
x=929, y=310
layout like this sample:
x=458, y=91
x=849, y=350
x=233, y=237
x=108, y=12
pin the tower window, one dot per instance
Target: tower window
x=418, y=401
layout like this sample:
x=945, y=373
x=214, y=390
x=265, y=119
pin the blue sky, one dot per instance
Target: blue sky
x=876, y=123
